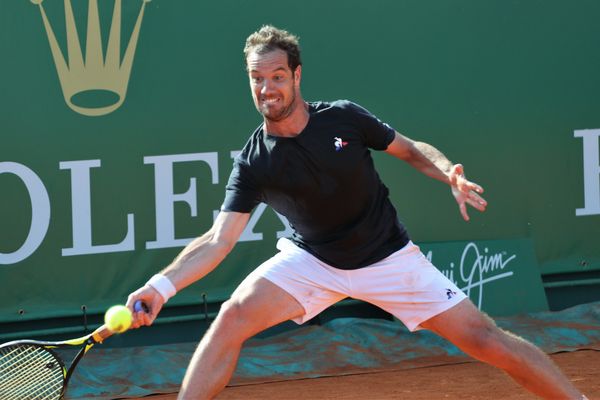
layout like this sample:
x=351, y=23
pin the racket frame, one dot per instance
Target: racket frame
x=85, y=342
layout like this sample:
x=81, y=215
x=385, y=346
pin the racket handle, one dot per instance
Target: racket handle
x=100, y=334
x=140, y=306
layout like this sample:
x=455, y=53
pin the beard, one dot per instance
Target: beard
x=281, y=114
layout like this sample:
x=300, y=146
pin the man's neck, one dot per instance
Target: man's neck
x=290, y=126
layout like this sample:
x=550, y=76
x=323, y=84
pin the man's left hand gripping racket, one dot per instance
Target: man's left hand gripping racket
x=32, y=370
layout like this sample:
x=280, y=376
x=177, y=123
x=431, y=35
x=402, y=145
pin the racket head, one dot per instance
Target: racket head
x=29, y=370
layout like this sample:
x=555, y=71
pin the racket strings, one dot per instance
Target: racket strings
x=29, y=373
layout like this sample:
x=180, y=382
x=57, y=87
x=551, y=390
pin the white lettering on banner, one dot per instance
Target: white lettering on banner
x=165, y=198
x=82, y=213
x=591, y=172
x=477, y=270
x=248, y=235
x=288, y=228
x=81, y=207
x=40, y=211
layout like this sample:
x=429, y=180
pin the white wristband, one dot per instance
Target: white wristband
x=162, y=285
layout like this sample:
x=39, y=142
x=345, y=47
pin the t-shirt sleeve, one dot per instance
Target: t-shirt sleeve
x=377, y=134
x=241, y=192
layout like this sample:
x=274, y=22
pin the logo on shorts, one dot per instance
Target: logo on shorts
x=339, y=144
x=450, y=293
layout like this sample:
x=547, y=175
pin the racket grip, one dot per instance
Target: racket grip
x=140, y=306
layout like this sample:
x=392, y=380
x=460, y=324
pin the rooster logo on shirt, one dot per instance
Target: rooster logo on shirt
x=339, y=144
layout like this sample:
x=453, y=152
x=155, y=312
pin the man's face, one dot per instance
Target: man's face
x=273, y=84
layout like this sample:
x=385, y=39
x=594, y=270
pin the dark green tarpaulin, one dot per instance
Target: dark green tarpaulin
x=338, y=347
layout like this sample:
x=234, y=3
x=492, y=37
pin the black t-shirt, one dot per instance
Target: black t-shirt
x=324, y=182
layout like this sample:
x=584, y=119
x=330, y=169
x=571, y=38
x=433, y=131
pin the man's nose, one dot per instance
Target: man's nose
x=266, y=86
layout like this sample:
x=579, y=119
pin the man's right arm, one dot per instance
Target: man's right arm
x=196, y=260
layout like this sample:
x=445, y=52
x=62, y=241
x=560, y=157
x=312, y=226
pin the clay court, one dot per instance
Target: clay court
x=352, y=358
x=463, y=381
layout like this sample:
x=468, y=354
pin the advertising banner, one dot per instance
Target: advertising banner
x=119, y=120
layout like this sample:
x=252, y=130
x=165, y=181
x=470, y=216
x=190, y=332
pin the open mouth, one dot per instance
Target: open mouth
x=270, y=101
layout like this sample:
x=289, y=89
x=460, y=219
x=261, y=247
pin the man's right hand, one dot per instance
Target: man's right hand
x=152, y=299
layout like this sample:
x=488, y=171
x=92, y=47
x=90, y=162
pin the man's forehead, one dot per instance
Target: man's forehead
x=269, y=61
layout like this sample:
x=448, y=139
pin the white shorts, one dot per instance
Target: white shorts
x=405, y=284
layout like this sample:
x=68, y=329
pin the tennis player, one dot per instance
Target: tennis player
x=311, y=162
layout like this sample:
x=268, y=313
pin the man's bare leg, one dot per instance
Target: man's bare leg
x=253, y=307
x=477, y=335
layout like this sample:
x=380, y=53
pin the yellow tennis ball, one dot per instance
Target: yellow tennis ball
x=118, y=319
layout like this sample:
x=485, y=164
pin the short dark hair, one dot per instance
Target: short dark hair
x=269, y=38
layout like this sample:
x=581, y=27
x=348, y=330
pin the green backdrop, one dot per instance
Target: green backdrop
x=91, y=206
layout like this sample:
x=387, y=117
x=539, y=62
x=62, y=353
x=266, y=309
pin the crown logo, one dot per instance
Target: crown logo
x=97, y=72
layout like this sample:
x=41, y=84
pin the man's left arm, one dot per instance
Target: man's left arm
x=430, y=161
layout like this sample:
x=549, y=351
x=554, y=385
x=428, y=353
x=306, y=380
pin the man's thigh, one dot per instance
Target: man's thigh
x=463, y=325
x=314, y=285
x=258, y=304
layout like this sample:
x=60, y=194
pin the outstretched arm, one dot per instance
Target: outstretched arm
x=430, y=161
x=196, y=260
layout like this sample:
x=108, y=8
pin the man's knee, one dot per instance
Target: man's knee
x=475, y=333
x=232, y=322
x=252, y=308
x=491, y=344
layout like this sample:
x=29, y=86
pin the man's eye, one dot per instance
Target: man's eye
x=257, y=79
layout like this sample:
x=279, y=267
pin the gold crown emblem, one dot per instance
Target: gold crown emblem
x=96, y=73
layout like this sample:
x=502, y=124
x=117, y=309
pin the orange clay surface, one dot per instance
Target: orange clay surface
x=464, y=381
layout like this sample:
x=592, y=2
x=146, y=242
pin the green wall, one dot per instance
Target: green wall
x=500, y=86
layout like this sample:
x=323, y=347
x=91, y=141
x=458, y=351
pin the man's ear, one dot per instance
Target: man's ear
x=298, y=74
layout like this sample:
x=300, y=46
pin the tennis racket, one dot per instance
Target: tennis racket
x=33, y=370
